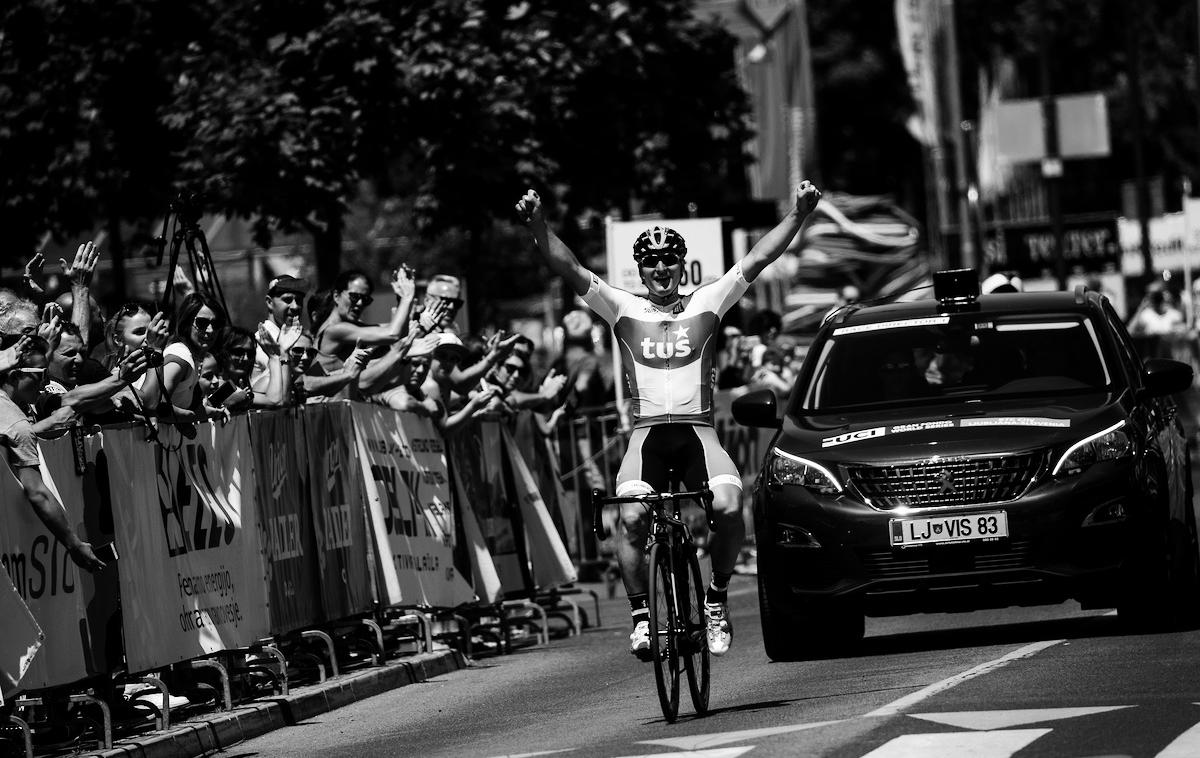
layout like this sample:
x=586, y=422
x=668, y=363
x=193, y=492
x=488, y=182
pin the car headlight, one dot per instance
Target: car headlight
x=785, y=468
x=1106, y=445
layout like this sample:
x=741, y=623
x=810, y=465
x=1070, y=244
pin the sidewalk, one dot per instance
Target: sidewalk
x=218, y=731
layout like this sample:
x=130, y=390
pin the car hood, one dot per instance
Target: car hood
x=952, y=429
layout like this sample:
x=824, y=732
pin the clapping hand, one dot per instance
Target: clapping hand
x=501, y=344
x=79, y=273
x=358, y=360
x=289, y=333
x=404, y=282
x=33, y=272
x=433, y=314
x=552, y=384
x=267, y=342
x=12, y=356
x=51, y=327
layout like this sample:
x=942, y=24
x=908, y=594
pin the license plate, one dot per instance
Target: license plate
x=941, y=530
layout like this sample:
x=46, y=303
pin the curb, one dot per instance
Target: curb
x=207, y=734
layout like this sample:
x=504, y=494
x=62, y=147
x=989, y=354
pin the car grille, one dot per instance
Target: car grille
x=947, y=482
x=906, y=564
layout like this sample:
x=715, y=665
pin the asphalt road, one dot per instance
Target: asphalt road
x=1050, y=681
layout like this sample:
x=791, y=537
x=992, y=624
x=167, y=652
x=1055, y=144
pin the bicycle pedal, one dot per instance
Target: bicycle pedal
x=645, y=656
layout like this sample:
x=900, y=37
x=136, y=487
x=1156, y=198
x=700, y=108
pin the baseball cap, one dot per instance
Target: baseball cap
x=1000, y=283
x=450, y=347
x=287, y=283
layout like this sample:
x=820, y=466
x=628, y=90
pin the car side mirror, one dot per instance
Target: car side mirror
x=1162, y=377
x=758, y=408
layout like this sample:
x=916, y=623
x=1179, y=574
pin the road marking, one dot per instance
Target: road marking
x=696, y=741
x=540, y=752
x=896, y=706
x=1186, y=745
x=958, y=744
x=721, y=752
x=985, y=720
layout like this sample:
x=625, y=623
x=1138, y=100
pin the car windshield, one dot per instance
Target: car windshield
x=959, y=356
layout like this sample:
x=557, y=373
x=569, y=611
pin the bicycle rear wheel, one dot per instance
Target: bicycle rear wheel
x=694, y=642
x=663, y=623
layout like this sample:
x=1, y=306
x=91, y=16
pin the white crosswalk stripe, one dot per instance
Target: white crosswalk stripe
x=697, y=741
x=985, y=720
x=997, y=744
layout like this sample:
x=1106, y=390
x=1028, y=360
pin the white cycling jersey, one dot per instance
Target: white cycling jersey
x=668, y=353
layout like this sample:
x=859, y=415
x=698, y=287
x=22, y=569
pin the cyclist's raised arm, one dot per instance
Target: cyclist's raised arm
x=558, y=256
x=774, y=242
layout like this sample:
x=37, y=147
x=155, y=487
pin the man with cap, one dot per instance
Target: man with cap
x=285, y=302
x=409, y=395
x=448, y=353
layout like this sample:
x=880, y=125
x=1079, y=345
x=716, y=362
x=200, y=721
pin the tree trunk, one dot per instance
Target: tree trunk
x=116, y=252
x=327, y=248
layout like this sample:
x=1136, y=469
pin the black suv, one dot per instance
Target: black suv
x=970, y=452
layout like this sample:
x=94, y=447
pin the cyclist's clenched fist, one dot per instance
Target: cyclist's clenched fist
x=529, y=208
x=807, y=197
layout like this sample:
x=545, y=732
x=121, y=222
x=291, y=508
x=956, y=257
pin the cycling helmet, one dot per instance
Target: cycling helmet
x=659, y=239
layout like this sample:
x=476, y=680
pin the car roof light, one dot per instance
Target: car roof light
x=957, y=289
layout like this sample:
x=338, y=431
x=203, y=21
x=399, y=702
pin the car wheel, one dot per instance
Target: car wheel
x=807, y=629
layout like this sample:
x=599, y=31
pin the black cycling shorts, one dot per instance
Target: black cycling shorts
x=693, y=452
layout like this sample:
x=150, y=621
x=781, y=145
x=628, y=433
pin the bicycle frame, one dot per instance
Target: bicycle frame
x=675, y=594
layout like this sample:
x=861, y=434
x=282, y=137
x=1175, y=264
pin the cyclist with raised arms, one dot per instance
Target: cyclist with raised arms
x=668, y=350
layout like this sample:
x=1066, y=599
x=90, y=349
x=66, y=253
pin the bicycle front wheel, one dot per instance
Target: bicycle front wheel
x=694, y=641
x=663, y=625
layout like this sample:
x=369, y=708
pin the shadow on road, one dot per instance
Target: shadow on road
x=995, y=634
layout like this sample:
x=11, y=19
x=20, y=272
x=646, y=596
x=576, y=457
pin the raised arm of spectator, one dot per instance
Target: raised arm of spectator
x=32, y=278
x=545, y=399
x=79, y=274
x=380, y=373
x=54, y=516
x=279, y=370
x=157, y=336
x=95, y=396
x=460, y=419
x=405, y=287
x=498, y=346
x=557, y=255
x=330, y=384
x=774, y=242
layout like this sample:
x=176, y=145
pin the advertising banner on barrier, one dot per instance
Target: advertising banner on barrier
x=478, y=461
x=20, y=638
x=408, y=498
x=551, y=564
x=285, y=519
x=338, y=510
x=192, y=563
x=73, y=605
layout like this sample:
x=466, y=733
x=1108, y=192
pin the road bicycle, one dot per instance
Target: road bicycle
x=676, y=594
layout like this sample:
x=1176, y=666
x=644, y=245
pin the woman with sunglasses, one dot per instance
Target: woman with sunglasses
x=310, y=383
x=343, y=329
x=198, y=321
x=667, y=342
x=129, y=329
x=235, y=353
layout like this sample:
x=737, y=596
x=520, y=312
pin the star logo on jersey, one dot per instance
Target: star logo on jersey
x=665, y=344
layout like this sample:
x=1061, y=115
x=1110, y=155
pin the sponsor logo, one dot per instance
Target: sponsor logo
x=922, y=426
x=861, y=434
x=1016, y=421
x=679, y=346
x=932, y=321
